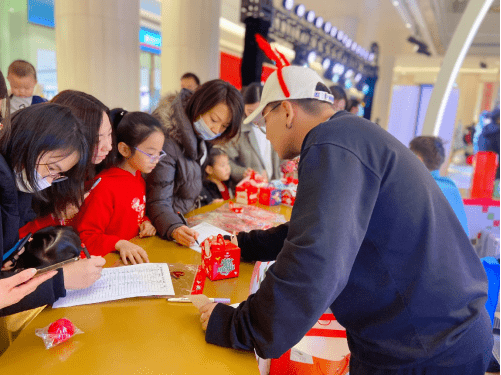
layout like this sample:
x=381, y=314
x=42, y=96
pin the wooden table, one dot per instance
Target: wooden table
x=137, y=336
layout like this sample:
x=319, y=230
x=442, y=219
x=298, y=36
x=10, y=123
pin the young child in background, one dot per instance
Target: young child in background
x=114, y=212
x=217, y=186
x=430, y=150
x=22, y=77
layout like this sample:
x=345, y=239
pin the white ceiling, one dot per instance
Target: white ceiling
x=367, y=21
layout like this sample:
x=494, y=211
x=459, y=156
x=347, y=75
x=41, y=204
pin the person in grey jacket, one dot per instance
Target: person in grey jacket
x=252, y=151
x=193, y=122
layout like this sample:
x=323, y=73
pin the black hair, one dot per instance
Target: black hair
x=252, y=93
x=191, y=75
x=89, y=110
x=430, y=149
x=213, y=154
x=339, y=94
x=50, y=245
x=43, y=128
x=4, y=95
x=211, y=158
x=209, y=95
x=352, y=102
x=132, y=128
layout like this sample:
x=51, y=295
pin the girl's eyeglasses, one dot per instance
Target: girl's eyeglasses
x=153, y=158
x=260, y=122
x=56, y=177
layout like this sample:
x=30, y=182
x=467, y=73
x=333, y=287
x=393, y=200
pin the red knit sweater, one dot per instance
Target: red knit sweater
x=113, y=211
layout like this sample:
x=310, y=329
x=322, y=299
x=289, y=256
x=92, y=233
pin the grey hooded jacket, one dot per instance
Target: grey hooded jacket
x=176, y=182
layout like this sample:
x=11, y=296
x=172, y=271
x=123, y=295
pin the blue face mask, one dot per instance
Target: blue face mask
x=24, y=186
x=204, y=131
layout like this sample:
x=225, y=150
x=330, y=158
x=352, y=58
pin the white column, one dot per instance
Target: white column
x=97, y=46
x=190, y=41
x=454, y=57
x=382, y=94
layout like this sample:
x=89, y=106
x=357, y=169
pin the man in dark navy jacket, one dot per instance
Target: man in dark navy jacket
x=371, y=236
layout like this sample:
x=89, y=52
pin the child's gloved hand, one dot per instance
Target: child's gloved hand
x=146, y=229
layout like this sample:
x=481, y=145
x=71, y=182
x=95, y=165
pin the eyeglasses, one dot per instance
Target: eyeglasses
x=260, y=122
x=56, y=177
x=153, y=158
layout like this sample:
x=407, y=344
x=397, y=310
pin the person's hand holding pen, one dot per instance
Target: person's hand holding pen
x=185, y=235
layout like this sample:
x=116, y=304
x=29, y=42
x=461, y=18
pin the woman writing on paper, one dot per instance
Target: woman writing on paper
x=95, y=125
x=193, y=123
x=41, y=146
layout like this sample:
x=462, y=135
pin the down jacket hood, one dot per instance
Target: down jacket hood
x=171, y=114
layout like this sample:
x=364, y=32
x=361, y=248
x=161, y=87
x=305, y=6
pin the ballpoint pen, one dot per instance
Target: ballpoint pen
x=185, y=299
x=185, y=223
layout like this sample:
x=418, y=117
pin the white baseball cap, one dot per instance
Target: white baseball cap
x=301, y=83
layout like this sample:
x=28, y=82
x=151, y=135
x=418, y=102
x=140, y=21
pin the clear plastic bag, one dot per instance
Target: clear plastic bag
x=238, y=218
x=57, y=332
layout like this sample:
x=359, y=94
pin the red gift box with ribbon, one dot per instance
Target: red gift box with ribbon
x=246, y=191
x=220, y=258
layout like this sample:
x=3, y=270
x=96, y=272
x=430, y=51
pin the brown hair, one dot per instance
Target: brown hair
x=22, y=68
x=430, y=149
x=211, y=94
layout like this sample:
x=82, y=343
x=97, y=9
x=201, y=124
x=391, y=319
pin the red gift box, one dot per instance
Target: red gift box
x=288, y=197
x=246, y=192
x=270, y=195
x=220, y=258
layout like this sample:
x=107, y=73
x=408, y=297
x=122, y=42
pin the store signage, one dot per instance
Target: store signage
x=150, y=40
x=41, y=12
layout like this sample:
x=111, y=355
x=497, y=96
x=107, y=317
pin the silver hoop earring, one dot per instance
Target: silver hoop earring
x=289, y=127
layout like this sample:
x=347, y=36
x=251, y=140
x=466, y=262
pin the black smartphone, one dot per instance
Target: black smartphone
x=41, y=271
x=9, y=255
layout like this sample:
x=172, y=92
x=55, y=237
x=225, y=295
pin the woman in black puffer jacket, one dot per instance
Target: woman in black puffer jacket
x=193, y=123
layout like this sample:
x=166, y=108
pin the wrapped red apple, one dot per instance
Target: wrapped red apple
x=57, y=332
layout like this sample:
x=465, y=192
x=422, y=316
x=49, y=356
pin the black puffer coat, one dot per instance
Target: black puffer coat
x=176, y=182
x=15, y=211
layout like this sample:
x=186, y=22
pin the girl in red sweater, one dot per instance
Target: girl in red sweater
x=114, y=212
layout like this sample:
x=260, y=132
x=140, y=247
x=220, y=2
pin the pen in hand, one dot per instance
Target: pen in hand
x=86, y=252
x=185, y=223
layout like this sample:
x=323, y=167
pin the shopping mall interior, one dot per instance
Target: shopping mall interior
x=388, y=54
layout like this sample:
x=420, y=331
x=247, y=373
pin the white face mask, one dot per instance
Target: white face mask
x=17, y=103
x=204, y=131
x=40, y=182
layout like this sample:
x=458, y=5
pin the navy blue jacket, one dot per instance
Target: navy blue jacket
x=16, y=211
x=372, y=237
